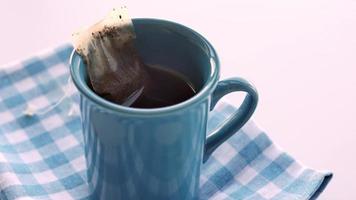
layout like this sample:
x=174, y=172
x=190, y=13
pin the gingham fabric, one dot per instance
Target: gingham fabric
x=41, y=156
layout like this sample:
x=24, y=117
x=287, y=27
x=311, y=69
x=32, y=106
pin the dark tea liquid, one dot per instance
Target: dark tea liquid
x=166, y=88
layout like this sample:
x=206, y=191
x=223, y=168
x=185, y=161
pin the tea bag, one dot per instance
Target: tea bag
x=115, y=69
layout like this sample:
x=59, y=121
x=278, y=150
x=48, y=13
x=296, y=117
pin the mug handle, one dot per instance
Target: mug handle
x=238, y=119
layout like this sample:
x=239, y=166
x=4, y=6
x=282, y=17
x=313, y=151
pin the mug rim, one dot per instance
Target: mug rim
x=206, y=90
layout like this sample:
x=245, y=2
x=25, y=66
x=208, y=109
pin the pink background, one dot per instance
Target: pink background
x=301, y=55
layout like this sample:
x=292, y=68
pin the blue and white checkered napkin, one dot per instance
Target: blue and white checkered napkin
x=41, y=157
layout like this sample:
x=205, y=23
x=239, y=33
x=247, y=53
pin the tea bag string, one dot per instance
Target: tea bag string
x=32, y=109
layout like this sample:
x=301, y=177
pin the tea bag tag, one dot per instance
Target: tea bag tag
x=33, y=109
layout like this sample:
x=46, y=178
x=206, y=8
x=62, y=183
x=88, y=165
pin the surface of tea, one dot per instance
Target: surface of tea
x=165, y=88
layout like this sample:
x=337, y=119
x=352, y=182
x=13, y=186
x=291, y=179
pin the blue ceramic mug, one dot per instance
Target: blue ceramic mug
x=135, y=154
